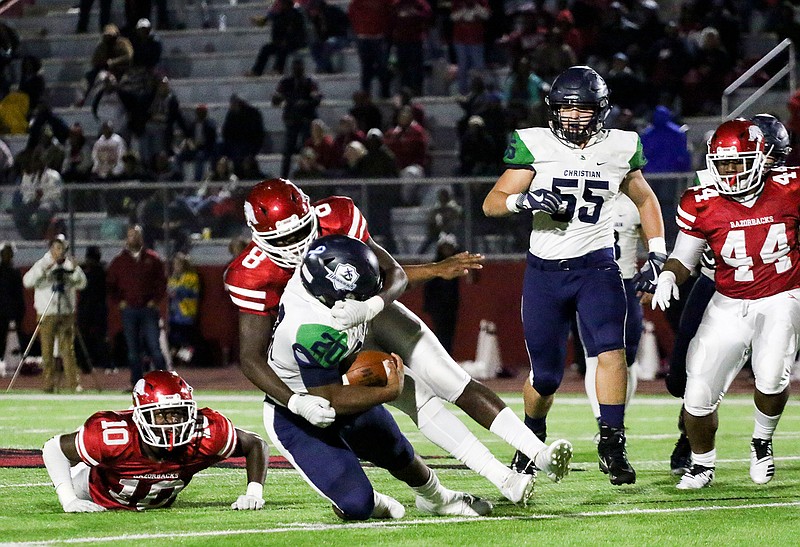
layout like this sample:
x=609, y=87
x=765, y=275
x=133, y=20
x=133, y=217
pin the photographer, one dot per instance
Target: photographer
x=55, y=279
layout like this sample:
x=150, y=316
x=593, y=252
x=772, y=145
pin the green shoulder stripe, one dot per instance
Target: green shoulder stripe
x=638, y=160
x=517, y=152
x=320, y=346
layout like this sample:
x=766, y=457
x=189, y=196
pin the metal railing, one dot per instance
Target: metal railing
x=788, y=69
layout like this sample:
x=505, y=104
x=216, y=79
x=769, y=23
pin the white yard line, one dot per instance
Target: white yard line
x=305, y=527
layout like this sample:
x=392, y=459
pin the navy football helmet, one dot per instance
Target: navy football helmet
x=776, y=138
x=339, y=267
x=578, y=86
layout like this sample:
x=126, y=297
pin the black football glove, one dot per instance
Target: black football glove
x=646, y=279
x=539, y=200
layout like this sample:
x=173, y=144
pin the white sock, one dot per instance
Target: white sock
x=590, y=383
x=633, y=380
x=432, y=490
x=707, y=459
x=512, y=430
x=441, y=427
x=764, y=425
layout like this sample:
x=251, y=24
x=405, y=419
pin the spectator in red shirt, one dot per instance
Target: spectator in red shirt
x=136, y=282
x=321, y=142
x=410, y=21
x=469, y=22
x=409, y=141
x=370, y=22
x=346, y=132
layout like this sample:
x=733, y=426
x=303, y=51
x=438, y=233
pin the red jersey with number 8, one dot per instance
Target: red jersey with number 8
x=121, y=477
x=255, y=283
x=755, y=247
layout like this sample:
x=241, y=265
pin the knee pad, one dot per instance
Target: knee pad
x=356, y=504
x=773, y=385
x=698, y=400
x=545, y=383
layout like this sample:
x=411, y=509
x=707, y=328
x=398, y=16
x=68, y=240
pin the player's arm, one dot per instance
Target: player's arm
x=451, y=267
x=60, y=454
x=256, y=456
x=652, y=224
x=394, y=277
x=501, y=201
x=352, y=399
x=255, y=333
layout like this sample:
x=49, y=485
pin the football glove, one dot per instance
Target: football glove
x=539, y=200
x=645, y=280
x=82, y=506
x=247, y=503
x=666, y=289
x=316, y=410
x=347, y=314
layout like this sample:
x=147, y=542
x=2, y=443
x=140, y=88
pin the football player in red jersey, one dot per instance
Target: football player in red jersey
x=750, y=222
x=284, y=223
x=142, y=458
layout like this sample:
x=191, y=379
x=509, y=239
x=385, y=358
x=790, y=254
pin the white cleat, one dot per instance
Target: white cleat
x=455, y=503
x=386, y=507
x=518, y=487
x=554, y=460
x=762, y=464
x=697, y=477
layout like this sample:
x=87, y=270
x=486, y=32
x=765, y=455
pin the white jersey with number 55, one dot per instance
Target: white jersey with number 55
x=588, y=180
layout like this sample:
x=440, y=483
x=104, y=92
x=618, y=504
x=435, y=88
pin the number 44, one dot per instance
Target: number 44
x=774, y=250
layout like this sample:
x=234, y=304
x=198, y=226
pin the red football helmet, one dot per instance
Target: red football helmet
x=736, y=142
x=282, y=220
x=163, y=409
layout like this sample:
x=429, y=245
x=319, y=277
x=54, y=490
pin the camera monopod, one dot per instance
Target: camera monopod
x=30, y=344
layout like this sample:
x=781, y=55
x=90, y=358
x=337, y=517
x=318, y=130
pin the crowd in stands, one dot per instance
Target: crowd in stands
x=503, y=55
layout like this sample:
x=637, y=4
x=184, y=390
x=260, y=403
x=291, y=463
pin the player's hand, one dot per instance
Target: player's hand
x=248, y=503
x=647, y=278
x=666, y=289
x=316, y=410
x=82, y=506
x=347, y=314
x=395, y=376
x=458, y=265
x=540, y=199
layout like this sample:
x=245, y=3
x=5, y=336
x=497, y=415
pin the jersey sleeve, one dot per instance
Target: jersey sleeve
x=688, y=208
x=517, y=154
x=219, y=435
x=254, y=284
x=340, y=215
x=104, y=435
x=637, y=161
x=318, y=351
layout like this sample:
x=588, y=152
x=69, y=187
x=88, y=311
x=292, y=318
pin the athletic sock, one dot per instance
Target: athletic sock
x=764, y=425
x=510, y=428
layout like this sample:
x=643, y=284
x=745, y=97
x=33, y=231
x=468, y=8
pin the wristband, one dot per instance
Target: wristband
x=657, y=245
x=255, y=489
x=511, y=203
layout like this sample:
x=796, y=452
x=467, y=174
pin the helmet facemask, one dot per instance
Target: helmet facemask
x=579, y=129
x=748, y=176
x=287, y=244
x=168, y=423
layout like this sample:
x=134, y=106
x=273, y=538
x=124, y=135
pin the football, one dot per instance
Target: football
x=369, y=369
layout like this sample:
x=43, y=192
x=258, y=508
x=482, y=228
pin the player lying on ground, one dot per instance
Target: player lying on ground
x=142, y=458
x=309, y=352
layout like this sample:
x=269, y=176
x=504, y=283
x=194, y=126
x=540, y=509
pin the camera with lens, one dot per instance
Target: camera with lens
x=59, y=275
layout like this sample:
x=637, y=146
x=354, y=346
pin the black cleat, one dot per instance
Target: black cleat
x=613, y=457
x=522, y=464
x=680, y=462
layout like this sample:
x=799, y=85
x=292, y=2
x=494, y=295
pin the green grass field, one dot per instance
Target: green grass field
x=583, y=510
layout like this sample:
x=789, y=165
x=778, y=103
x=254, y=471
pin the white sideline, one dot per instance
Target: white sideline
x=403, y=524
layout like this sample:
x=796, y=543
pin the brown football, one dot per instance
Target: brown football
x=368, y=369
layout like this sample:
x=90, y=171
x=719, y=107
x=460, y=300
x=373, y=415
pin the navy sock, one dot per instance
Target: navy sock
x=538, y=426
x=612, y=415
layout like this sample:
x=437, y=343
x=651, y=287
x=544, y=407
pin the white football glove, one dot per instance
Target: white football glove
x=315, y=410
x=349, y=313
x=82, y=506
x=247, y=503
x=666, y=289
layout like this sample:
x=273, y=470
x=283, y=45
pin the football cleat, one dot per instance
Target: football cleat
x=699, y=476
x=762, y=464
x=522, y=464
x=554, y=460
x=680, y=461
x=518, y=487
x=455, y=503
x=614, y=457
x=386, y=507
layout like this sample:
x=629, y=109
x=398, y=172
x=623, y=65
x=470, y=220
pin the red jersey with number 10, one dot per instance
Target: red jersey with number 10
x=121, y=477
x=755, y=248
x=255, y=283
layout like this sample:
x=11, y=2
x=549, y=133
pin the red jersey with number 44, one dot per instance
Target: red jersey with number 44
x=121, y=477
x=255, y=283
x=755, y=247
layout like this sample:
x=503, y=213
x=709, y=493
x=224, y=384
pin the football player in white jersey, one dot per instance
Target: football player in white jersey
x=284, y=222
x=567, y=176
x=777, y=148
x=310, y=351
